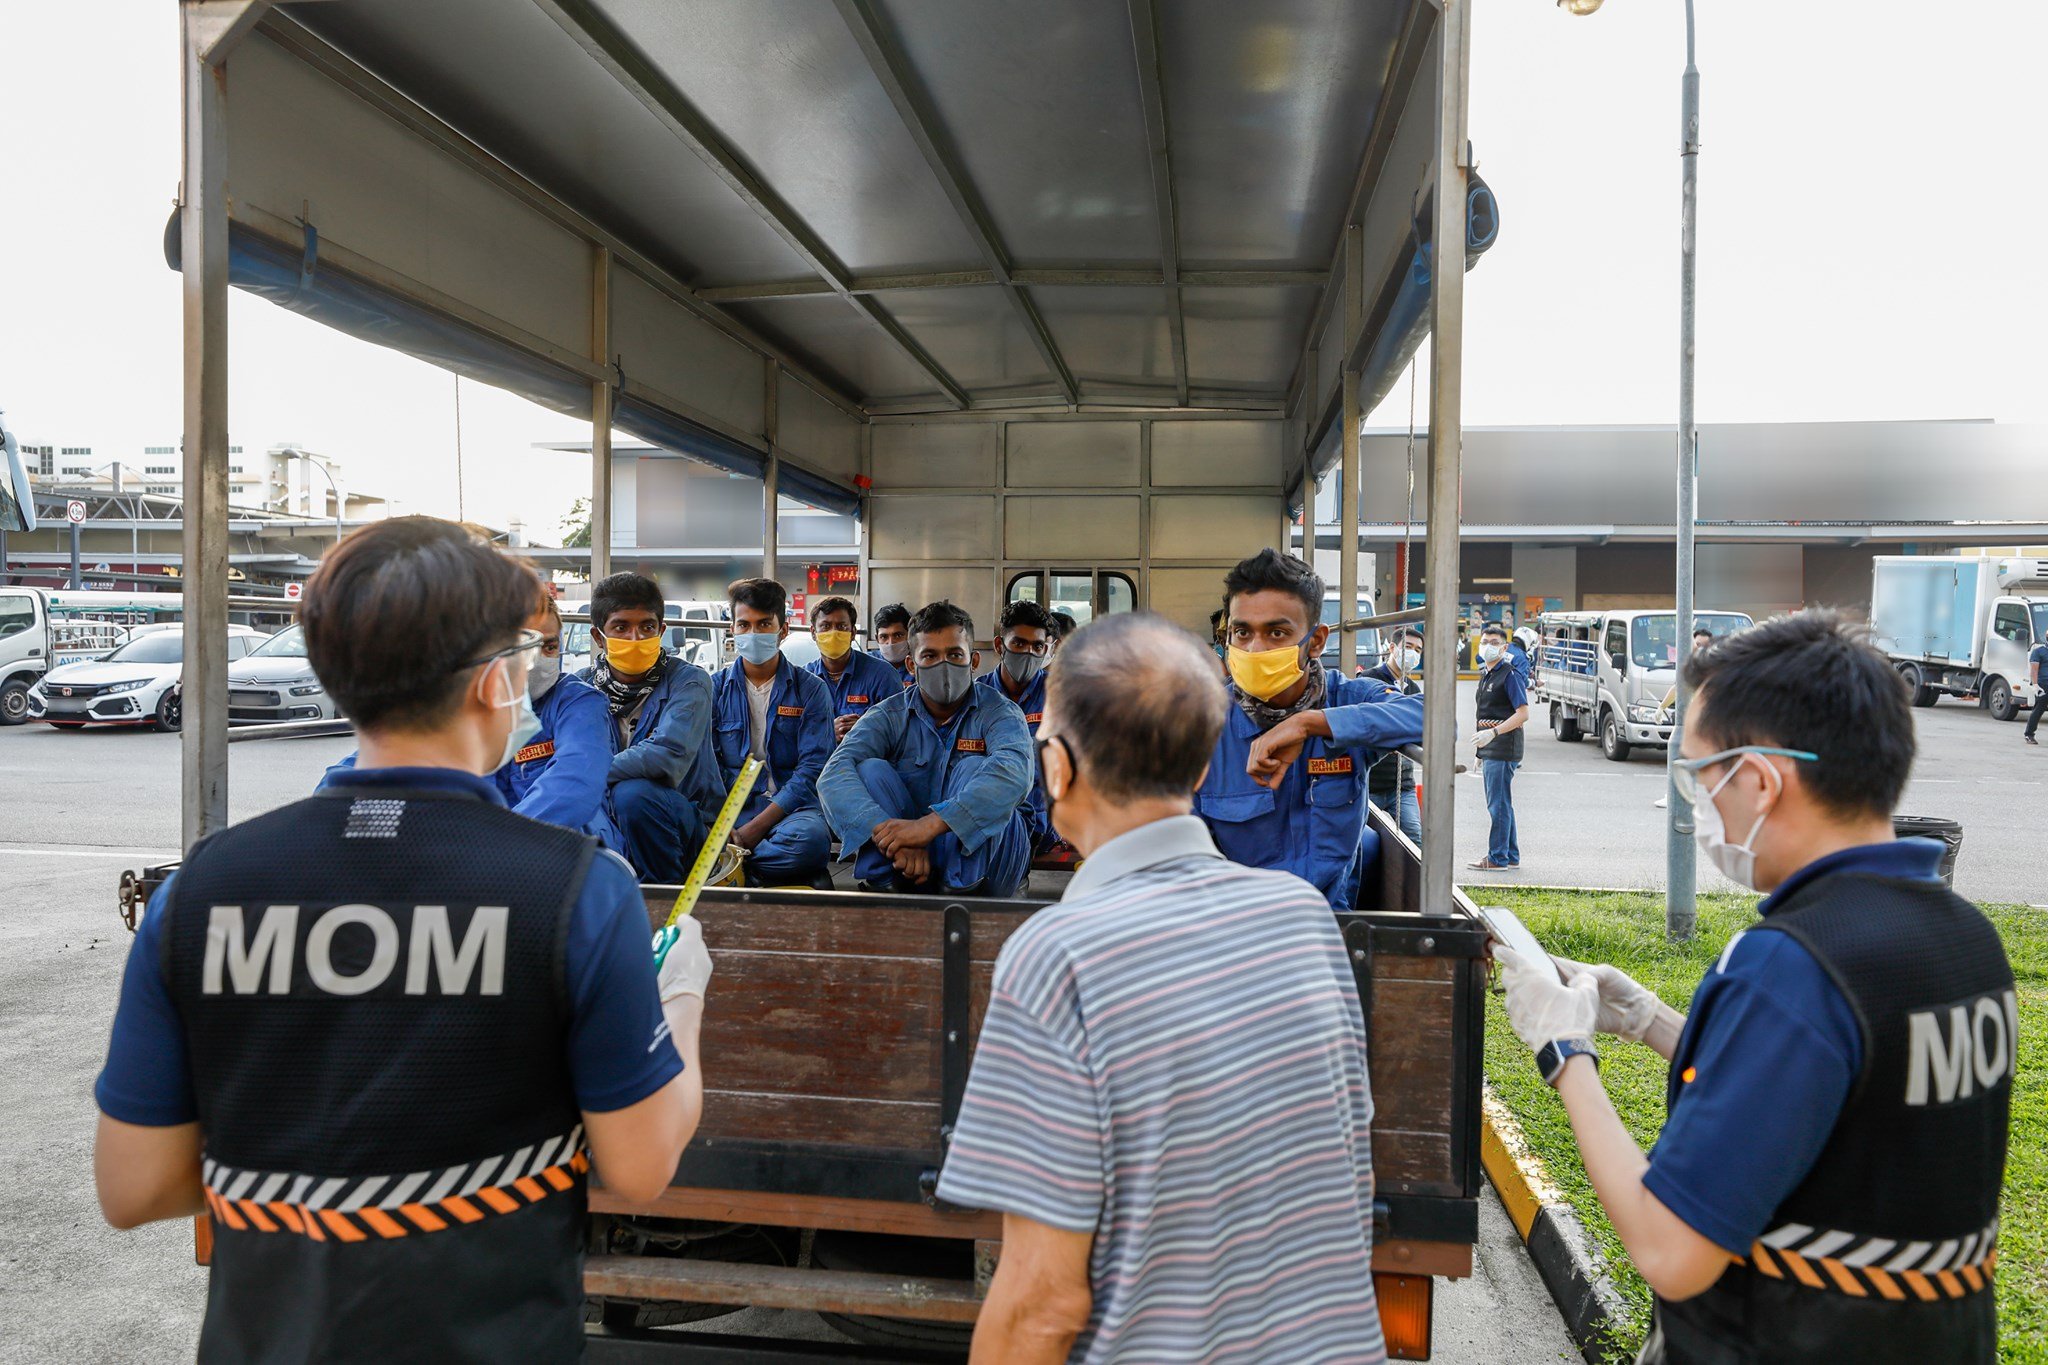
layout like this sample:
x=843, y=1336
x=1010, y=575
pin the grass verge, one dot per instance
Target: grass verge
x=1628, y=931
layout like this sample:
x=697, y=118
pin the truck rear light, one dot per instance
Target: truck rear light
x=1404, y=1314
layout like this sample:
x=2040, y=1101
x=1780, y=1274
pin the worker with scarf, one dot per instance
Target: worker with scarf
x=1286, y=788
x=663, y=789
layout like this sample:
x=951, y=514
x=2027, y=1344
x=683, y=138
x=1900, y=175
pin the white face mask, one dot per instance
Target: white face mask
x=1736, y=861
x=1408, y=660
x=1488, y=653
x=542, y=675
x=525, y=724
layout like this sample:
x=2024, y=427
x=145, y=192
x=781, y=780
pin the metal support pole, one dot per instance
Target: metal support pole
x=1349, y=504
x=1446, y=434
x=601, y=415
x=203, y=223
x=771, y=477
x=76, y=582
x=1680, y=871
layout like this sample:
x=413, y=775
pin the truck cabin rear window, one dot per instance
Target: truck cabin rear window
x=2041, y=623
x=1653, y=640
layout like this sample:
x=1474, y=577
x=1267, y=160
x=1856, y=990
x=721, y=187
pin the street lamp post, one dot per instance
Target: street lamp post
x=332, y=486
x=1680, y=867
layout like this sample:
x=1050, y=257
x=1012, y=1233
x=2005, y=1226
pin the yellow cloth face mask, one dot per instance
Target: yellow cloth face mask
x=1265, y=674
x=833, y=644
x=632, y=656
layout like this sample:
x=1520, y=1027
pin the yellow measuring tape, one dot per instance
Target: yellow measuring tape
x=714, y=842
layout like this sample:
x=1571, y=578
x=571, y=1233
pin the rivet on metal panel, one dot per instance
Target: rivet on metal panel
x=1428, y=943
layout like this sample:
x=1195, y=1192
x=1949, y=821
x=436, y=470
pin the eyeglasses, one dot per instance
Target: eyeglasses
x=1685, y=772
x=528, y=639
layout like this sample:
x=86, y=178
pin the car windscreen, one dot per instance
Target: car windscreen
x=161, y=647
x=289, y=643
x=1653, y=640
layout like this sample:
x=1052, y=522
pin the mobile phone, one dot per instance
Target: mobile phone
x=1503, y=926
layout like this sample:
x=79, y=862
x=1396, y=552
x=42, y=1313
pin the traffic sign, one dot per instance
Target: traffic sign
x=74, y=510
x=292, y=590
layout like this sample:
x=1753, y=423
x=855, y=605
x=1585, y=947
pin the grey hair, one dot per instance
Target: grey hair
x=1139, y=702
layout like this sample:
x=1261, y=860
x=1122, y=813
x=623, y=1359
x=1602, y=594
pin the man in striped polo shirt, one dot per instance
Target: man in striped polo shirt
x=1169, y=1103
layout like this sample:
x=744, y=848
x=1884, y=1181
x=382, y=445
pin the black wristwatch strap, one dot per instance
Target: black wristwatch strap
x=1551, y=1058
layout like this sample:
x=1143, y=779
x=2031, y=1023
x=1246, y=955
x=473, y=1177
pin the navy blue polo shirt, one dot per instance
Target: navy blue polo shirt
x=618, y=1046
x=1769, y=1052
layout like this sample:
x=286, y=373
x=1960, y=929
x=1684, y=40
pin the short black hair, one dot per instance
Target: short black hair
x=895, y=614
x=941, y=615
x=1065, y=622
x=1698, y=631
x=762, y=594
x=1270, y=570
x=397, y=612
x=622, y=592
x=1025, y=614
x=1405, y=633
x=1812, y=681
x=1140, y=705
x=833, y=605
x=1493, y=628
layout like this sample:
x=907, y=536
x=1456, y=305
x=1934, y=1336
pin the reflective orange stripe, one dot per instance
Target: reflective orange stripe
x=462, y=1208
x=1765, y=1263
x=1799, y=1268
x=579, y=1163
x=1886, y=1285
x=1839, y=1273
x=339, y=1225
x=530, y=1187
x=497, y=1199
x=1917, y=1282
x=257, y=1216
x=289, y=1216
x=553, y=1175
x=1950, y=1283
x=1972, y=1278
x=226, y=1209
x=425, y=1218
x=313, y=1226
x=381, y=1222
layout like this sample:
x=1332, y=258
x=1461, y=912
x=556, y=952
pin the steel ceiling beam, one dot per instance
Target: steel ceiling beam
x=1118, y=277
x=607, y=45
x=893, y=71
x=1152, y=95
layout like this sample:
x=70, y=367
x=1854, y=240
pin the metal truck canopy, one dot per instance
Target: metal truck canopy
x=905, y=207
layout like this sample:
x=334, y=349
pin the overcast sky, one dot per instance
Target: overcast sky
x=1870, y=209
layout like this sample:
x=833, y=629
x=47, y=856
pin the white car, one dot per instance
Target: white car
x=136, y=684
x=275, y=682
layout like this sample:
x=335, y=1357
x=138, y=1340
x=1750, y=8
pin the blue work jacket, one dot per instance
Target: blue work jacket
x=866, y=681
x=983, y=755
x=559, y=777
x=798, y=736
x=671, y=741
x=1312, y=824
x=1032, y=704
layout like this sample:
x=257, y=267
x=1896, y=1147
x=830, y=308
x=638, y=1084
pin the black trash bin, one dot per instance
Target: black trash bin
x=1933, y=827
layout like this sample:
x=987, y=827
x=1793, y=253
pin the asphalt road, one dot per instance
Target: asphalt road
x=75, y=809
x=1584, y=821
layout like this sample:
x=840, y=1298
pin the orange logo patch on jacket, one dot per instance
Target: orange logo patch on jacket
x=1329, y=767
x=970, y=746
x=852, y=700
x=1033, y=717
x=789, y=710
x=544, y=749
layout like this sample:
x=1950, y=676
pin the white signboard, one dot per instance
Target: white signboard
x=74, y=510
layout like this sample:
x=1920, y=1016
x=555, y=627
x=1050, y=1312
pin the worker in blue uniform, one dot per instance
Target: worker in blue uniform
x=1024, y=641
x=855, y=678
x=892, y=641
x=663, y=789
x=1287, y=788
x=768, y=708
x=928, y=792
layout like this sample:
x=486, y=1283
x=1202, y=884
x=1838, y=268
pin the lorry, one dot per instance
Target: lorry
x=1961, y=626
x=1609, y=673
x=44, y=628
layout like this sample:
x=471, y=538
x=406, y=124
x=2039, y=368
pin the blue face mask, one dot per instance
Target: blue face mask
x=757, y=648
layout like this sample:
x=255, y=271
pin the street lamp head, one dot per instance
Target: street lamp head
x=1578, y=6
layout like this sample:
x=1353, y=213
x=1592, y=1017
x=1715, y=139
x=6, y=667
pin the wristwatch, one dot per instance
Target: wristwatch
x=1551, y=1058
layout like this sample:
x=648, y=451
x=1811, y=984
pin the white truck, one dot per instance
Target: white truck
x=42, y=628
x=1961, y=626
x=1609, y=673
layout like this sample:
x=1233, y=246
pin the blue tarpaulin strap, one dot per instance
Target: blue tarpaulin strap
x=308, y=258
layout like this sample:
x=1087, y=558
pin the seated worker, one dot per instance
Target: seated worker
x=1024, y=639
x=892, y=639
x=1392, y=784
x=558, y=776
x=855, y=678
x=1286, y=788
x=663, y=788
x=928, y=792
x=380, y=1034
x=768, y=707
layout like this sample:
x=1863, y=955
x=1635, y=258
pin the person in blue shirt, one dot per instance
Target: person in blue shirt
x=892, y=641
x=1287, y=788
x=929, y=791
x=855, y=678
x=1826, y=1186
x=664, y=786
x=2037, y=675
x=1024, y=641
x=1501, y=706
x=296, y=1019
x=767, y=707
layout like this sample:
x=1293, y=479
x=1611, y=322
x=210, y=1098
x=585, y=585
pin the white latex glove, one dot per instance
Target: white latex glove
x=1542, y=1008
x=1627, y=1008
x=681, y=964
